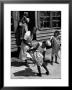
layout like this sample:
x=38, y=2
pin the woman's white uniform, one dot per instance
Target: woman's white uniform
x=24, y=54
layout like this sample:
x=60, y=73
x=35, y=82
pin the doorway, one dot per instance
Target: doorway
x=31, y=16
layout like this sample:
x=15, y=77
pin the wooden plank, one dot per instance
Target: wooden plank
x=41, y=35
x=13, y=36
x=13, y=50
x=13, y=46
x=46, y=31
x=13, y=39
x=13, y=42
x=12, y=32
x=44, y=38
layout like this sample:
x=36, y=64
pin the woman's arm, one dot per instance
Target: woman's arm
x=27, y=43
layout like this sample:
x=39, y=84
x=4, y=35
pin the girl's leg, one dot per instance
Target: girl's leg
x=56, y=59
x=44, y=66
x=39, y=70
x=44, y=55
x=52, y=60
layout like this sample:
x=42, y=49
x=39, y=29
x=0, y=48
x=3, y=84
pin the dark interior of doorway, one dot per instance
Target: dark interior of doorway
x=31, y=16
x=31, y=25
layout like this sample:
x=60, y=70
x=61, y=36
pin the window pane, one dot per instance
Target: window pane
x=44, y=13
x=44, y=19
x=49, y=19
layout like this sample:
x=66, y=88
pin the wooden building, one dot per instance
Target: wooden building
x=46, y=23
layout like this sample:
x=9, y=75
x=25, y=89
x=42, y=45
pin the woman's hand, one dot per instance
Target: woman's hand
x=20, y=24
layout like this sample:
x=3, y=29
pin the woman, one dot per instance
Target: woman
x=25, y=45
x=21, y=29
x=26, y=39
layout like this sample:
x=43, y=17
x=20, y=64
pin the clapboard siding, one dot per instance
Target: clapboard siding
x=40, y=35
x=45, y=34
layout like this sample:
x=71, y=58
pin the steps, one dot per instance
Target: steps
x=13, y=42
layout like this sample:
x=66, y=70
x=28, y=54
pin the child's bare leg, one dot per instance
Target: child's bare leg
x=44, y=66
x=52, y=60
x=56, y=59
x=44, y=55
x=39, y=70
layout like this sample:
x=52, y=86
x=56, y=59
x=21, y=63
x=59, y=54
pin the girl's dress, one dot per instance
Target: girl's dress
x=55, y=46
x=38, y=54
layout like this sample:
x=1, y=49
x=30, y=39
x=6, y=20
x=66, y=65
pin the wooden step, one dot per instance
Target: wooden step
x=13, y=46
x=14, y=49
x=12, y=39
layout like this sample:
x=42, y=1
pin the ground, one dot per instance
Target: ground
x=21, y=71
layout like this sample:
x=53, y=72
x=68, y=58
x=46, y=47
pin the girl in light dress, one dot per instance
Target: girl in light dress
x=55, y=41
x=39, y=57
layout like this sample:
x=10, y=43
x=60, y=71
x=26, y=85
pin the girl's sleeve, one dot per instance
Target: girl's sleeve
x=35, y=48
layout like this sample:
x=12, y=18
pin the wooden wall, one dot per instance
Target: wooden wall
x=45, y=34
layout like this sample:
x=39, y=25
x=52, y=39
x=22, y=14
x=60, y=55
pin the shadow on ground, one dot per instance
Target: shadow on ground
x=47, y=62
x=26, y=72
x=17, y=64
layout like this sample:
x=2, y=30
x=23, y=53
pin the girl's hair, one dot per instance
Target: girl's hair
x=56, y=33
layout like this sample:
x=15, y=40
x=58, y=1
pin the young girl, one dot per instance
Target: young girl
x=55, y=46
x=39, y=56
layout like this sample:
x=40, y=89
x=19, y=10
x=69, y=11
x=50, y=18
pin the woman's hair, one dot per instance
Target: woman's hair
x=24, y=19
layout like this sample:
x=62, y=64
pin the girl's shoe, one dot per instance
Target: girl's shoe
x=56, y=62
x=47, y=73
x=51, y=62
x=39, y=74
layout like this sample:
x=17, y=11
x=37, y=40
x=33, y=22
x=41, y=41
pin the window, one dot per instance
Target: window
x=49, y=19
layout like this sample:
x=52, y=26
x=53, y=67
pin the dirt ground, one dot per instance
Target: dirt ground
x=20, y=71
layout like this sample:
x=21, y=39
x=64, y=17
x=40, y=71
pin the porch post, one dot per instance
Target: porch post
x=36, y=22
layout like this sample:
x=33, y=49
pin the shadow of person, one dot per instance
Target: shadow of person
x=18, y=64
x=26, y=72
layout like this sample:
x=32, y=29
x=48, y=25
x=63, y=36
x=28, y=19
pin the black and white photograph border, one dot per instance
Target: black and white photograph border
x=31, y=36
